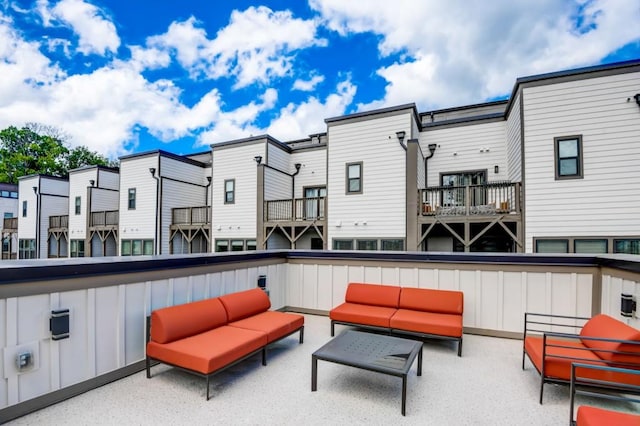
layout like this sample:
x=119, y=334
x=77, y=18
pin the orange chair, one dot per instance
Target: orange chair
x=594, y=416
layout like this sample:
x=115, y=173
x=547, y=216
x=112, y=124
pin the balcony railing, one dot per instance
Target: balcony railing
x=298, y=209
x=57, y=222
x=10, y=224
x=191, y=215
x=104, y=218
x=486, y=199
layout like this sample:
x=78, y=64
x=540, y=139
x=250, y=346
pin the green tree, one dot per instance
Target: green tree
x=37, y=149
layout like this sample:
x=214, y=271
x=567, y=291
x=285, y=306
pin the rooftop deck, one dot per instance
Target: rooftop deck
x=487, y=386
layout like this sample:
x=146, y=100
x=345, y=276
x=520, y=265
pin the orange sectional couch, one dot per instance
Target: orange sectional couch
x=602, y=340
x=415, y=312
x=208, y=336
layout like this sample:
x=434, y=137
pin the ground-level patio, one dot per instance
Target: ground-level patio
x=486, y=386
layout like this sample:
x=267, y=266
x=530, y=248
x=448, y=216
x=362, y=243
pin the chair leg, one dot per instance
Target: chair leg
x=208, y=379
x=264, y=356
x=148, y=365
x=460, y=347
x=332, y=328
x=302, y=334
x=541, y=388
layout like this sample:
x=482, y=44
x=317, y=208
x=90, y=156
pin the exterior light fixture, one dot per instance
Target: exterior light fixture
x=35, y=189
x=152, y=170
x=627, y=305
x=401, y=135
x=92, y=182
x=637, y=98
x=432, y=148
x=297, y=166
x=258, y=159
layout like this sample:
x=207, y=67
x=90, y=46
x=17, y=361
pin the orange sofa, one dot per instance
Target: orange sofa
x=415, y=312
x=601, y=340
x=208, y=336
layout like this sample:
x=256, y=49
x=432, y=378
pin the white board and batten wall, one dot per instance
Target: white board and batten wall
x=598, y=109
x=379, y=211
x=313, y=169
x=78, y=184
x=237, y=220
x=514, y=141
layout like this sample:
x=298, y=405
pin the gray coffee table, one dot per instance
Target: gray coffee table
x=374, y=352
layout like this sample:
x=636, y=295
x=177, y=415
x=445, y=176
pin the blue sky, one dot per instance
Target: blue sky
x=123, y=77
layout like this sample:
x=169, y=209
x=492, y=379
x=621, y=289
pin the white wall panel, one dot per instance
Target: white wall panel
x=514, y=141
x=138, y=223
x=313, y=171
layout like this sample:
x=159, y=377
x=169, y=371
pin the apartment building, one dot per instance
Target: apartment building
x=551, y=169
x=9, y=224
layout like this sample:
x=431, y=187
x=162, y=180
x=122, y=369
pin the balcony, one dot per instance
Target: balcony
x=59, y=222
x=110, y=298
x=295, y=210
x=490, y=199
x=104, y=219
x=191, y=216
x=10, y=224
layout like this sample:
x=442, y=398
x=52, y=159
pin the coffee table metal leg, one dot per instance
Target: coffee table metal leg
x=404, y=393
x=314, y=373
x=420, y=361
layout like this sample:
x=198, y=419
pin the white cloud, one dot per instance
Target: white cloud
x=308, y=85
x=258, y=45
x=96, y=33
x=460, y=52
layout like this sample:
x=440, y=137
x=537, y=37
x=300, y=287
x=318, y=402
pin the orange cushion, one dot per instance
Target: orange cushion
x=610, y=328
x=245, y=303
x=209, y=351
x=429, y=300
x=176, y=322
x=377, y=316
x=373, y=294
x=592, y=416
x=427, y=322
x=274, y=324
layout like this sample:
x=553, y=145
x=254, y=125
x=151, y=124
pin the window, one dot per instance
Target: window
x=131, y=199
x=8, y=194
x=77, y=205
x=77, y=248
x=230, y=191
x=235, y=245
x=455, y=196
x=552, y=246
x=590, y=246
x=393, y=245
x=343, y=244
x=367, y=245
x=354, y=178
x=27, y=249
x=222, y=245
x=24, y=208
x=251, y=245
x=568, y=155
x=136, y=247
x=629, y=246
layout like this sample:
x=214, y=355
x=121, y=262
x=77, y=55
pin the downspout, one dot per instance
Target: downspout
x=432, y=149
x=210, y=215
x=38, y=217
x=152, y=170
x=293, y=180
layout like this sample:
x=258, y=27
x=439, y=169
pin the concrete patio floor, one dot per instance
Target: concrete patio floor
x=486, y=386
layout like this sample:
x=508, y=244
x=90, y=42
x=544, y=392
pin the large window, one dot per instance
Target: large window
x=392, y=244
x=136, y=247
x=367, y=244
x=342, y=244
x=552, y=246
x=628, y=245
x=568, y=157
x=78, y=202
x=354, y=178
x=455, y=196
x=596, y=245
x=131, y=199
x=229, y=191
x=27, y=249
x=77, y=248
x=8, y=194
x=587, y=245
x=234, y=245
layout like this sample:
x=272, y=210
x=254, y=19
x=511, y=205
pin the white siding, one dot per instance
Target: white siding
x=138, y=223
x=514, y=142
x=459, y=149
x=598, y=110
x=313, y=171
x=27, y=224
x=236, y=220
x=382, y=204
x=421, y=170
x=277, y=185
x=78, y=183
x=278, y=158
x=51, y=205
x=104, y=200
x=108, y=179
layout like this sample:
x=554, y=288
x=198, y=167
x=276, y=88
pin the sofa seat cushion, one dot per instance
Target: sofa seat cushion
x=593, y=416
x=429, y=300
x=180, y=321
x=246, y=303
x=427, y=322
x=274, y=324
x=209, y=351
x=373, y=294
x=377, y=316
x=605, y=326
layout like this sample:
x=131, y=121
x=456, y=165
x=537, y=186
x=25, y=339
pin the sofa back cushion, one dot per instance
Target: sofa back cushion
x=429, y=300
x=373, y=294
x=610, y=328
x=180, y=321
x=246, y=303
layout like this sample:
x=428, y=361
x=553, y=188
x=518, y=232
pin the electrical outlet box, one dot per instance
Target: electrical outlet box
x=24, y=360
x=21, y=359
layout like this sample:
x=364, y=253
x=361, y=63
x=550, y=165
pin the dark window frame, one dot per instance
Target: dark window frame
x=578, y=158
x=24, y=208
x=342, y=240
x=230, y=195
x=131, y=201
x=77, y=205
x=359, y=179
